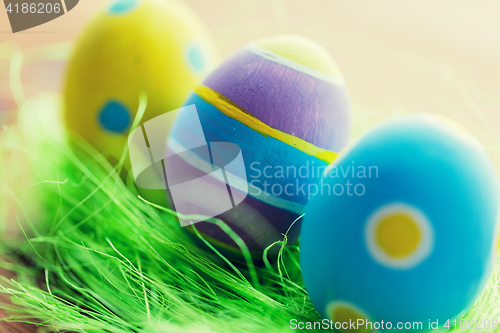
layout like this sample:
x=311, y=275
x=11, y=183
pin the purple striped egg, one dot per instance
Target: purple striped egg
x=284, y=103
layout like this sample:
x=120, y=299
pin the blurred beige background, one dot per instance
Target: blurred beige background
x=398, y=56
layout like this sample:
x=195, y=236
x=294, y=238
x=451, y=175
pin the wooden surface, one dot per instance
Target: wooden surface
x=6, y=327
x=17, y=328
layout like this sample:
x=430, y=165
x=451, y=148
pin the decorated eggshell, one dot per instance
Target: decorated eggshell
x=415, y=238
x=284, y=103
x=160, y=48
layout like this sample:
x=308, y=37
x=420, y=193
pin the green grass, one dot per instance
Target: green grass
x=97, y=258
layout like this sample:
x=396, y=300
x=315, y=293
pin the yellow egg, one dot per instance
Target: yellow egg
x=159, y=47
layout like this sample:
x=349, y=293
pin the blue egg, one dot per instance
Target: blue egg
x=415, y=237
x=114, y=117
x=122, y=6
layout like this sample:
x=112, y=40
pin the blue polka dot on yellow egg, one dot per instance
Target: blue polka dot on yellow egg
x=122, y=6
x=196, y=58
x=114, y=117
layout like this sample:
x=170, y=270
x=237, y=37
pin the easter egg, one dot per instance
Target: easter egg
x=131, y=47
x=413, y=238
x=283, y=103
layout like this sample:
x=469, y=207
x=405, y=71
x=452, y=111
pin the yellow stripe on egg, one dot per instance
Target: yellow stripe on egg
x=230, y=109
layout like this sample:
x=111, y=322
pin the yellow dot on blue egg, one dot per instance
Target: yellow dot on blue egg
x=195, y=58
x=114, y=117
x=343, y=314
x=398, y=236
x=122, y=6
